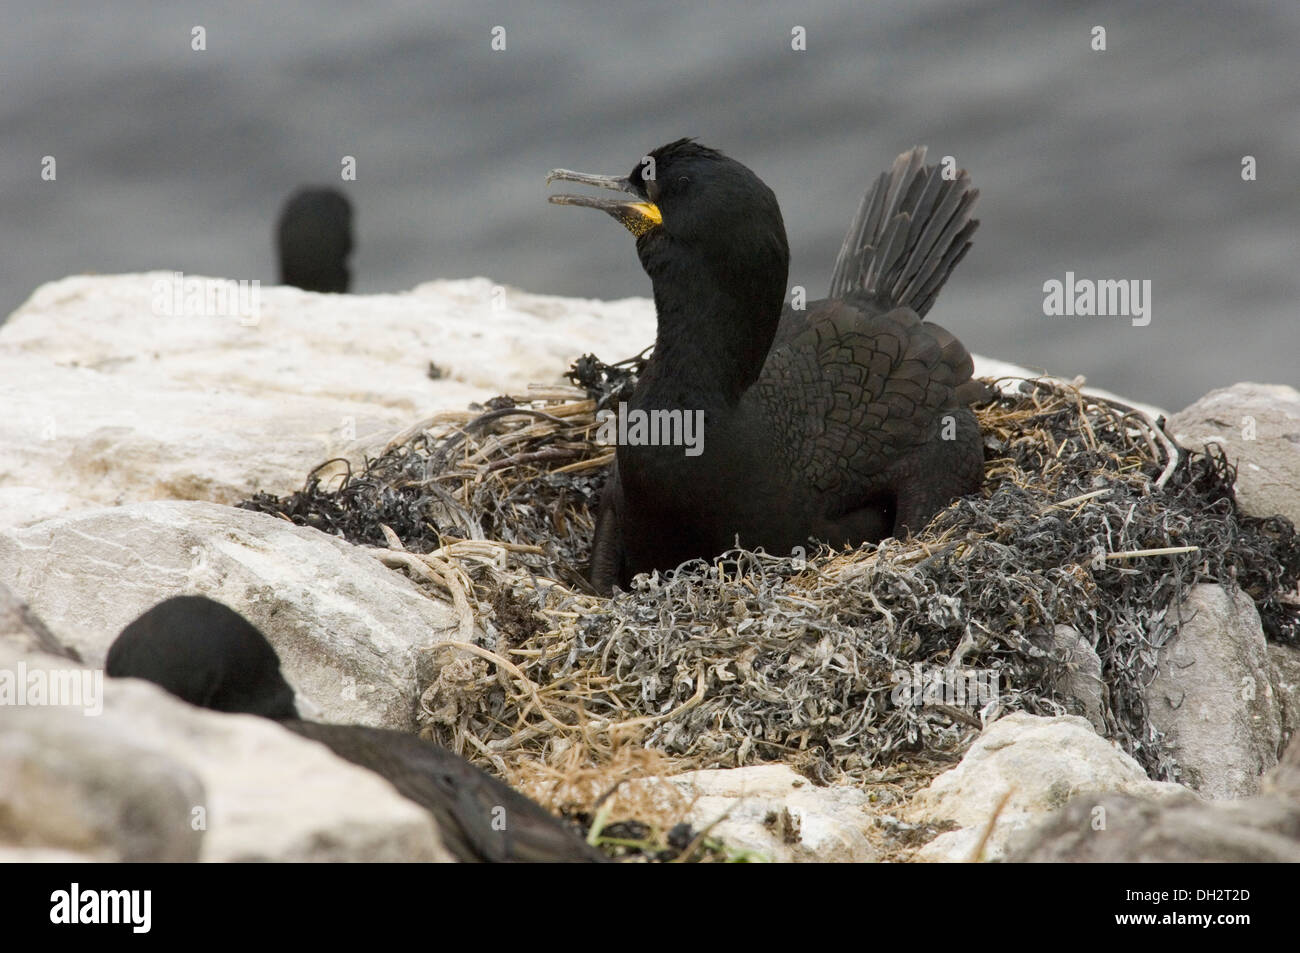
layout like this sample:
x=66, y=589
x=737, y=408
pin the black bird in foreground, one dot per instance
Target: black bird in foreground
x=844, y=422
x=313, y=239
x=209, y=655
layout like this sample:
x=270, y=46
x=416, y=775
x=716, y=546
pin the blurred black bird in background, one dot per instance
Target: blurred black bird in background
x=313, y=239
x=845, y=421
x=209, y=655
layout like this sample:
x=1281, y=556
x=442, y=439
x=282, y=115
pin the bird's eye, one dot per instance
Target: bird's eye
x=683, y=180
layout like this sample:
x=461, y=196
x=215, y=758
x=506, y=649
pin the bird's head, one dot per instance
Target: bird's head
x=687, y=198
x=314, y=239
x=206, y=654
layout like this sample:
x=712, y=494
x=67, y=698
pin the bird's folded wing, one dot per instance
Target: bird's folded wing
x=853, y=391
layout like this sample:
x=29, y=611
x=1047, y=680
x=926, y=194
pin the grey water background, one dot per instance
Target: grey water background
x=1116, y=164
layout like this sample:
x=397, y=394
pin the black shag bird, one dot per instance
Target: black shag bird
x=209, y=655
x=844, y=422
x=314, y=239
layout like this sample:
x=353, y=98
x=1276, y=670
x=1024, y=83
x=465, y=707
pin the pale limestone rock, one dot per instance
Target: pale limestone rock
x=21, y=629
x=1038, y=764
x=780, y=814
x=68, y=784
x=107, y=401
x=42, y=855
x=1082, y=679
x=152, y=778
x=1285, y=662
x=1118, y=828
x=347, y=629
x=1213, y=694
x=1258, y=427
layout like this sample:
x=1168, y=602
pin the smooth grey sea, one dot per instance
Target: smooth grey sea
x=1117, y=164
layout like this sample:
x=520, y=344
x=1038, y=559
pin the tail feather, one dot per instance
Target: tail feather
x=909, y=233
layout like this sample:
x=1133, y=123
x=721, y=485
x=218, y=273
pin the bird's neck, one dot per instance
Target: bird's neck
x=714, y=333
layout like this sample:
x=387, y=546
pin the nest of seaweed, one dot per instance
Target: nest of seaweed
x=1091, y=518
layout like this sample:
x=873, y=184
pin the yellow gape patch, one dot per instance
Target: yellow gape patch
x=639, y=217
